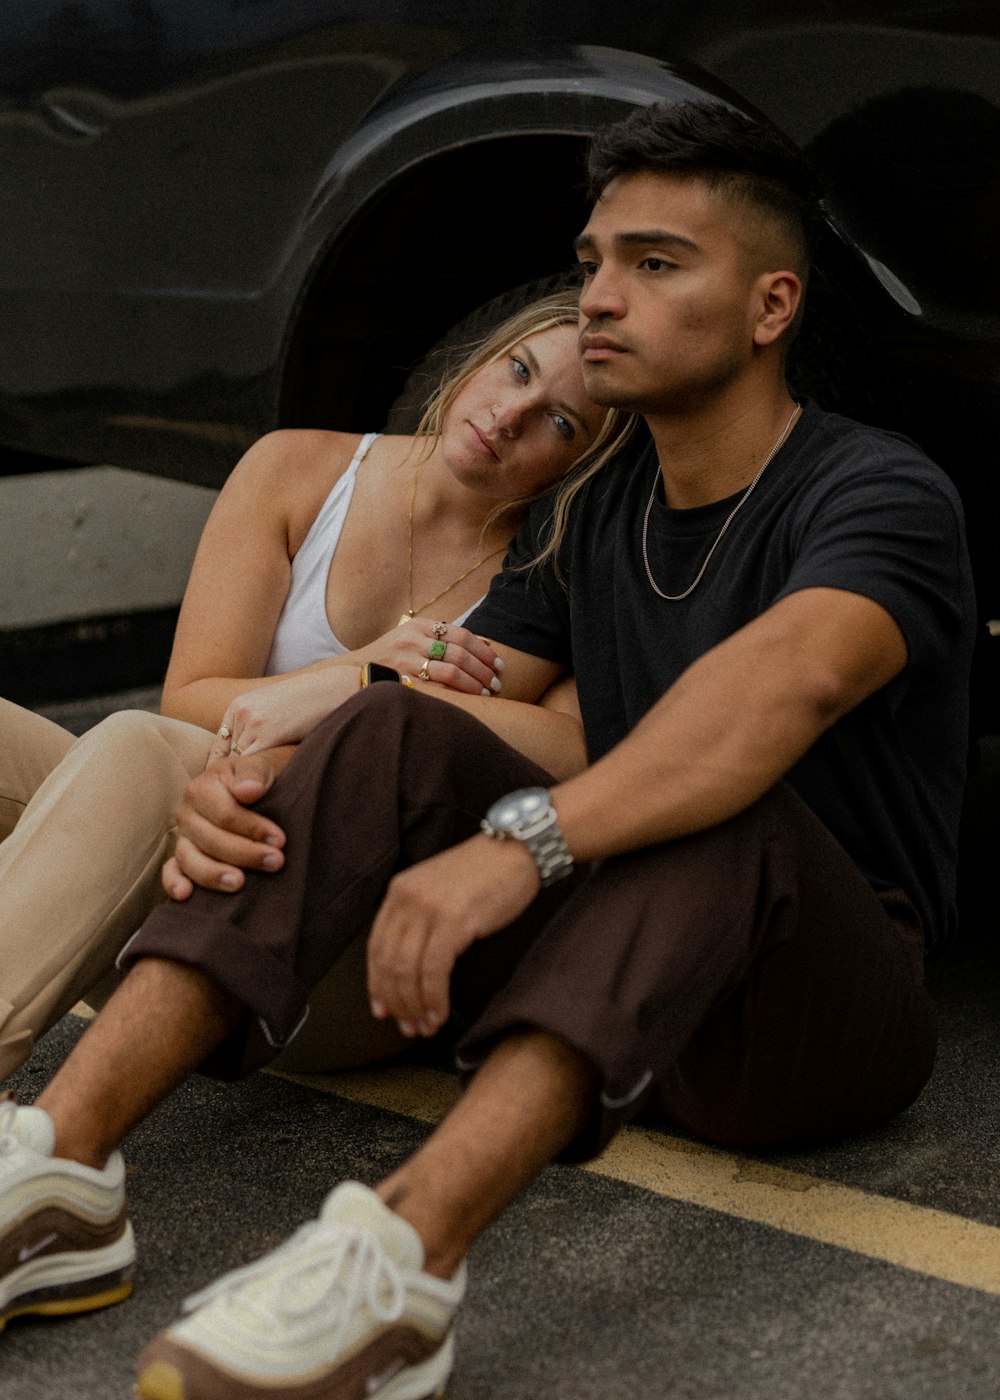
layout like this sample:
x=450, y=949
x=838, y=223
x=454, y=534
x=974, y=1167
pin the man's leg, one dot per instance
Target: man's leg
x=389, y=779
x=156, y=1029
x=748, y=962
x=384, y=1280
x=267, y=940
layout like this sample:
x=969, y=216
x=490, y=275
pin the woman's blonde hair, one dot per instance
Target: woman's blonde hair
x=558, y=309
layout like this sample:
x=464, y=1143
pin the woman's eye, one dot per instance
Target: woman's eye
x=563, y=425
x=520, y=368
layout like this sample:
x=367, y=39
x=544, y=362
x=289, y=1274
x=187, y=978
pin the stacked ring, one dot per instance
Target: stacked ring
x=235, y=748
x=225, y=732
x=439, y=629
x=422, y=673
x=436, y=650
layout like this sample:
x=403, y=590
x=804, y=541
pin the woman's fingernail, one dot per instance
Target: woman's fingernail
x=272, y=839
x=498, y=664
x=407, y=1028
x=496, y=685
x=229, y=881
x=271, y=861
x=378, y=1010
x=487, y=692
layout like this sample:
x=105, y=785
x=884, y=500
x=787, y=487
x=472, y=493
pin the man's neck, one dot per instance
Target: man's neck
x=713, y=452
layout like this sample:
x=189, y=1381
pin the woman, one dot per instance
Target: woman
x=324, y=551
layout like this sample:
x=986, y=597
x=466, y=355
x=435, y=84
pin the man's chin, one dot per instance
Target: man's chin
x=607, y=386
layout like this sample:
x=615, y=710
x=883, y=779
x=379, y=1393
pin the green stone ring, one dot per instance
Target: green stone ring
x=436, y=650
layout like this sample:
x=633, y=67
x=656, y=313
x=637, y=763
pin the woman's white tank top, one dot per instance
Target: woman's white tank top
x=303, y=634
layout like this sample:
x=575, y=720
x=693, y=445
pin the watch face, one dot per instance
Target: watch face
x=517, y=808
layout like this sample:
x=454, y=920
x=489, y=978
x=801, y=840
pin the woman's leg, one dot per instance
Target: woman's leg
x=80, y=871
x=30, y=748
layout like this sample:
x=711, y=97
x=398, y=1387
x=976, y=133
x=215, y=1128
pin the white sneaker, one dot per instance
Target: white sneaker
x=65, y=1243
x=342, y=1309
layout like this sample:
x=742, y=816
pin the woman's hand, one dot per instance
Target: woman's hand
x=286, y=710
x=438, y=651
x=283, y=712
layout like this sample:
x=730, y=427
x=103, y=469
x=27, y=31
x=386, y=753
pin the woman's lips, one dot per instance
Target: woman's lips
x=484, y=442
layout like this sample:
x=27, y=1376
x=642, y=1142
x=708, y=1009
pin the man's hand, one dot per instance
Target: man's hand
x=430, y=915
x=218, y=838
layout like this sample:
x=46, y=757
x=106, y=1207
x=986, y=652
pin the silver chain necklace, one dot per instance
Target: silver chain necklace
x=679, y=597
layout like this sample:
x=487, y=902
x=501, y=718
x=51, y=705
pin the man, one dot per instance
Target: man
x=768, y=612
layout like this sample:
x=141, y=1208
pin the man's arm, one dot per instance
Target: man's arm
x=734, y=723
x=729, y=728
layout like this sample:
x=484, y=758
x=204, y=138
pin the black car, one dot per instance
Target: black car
x=221, y=216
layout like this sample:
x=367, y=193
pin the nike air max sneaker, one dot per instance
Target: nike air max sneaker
x=65, y=1243
x=341, y=1311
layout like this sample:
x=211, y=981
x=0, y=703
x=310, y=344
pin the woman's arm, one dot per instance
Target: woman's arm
x=242, y=570
x=238, y=586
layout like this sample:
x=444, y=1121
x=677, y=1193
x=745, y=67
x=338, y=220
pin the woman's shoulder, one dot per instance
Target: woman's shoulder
x=290, y=472
x=294, y=454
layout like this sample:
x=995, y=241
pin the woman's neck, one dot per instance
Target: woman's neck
x=440, y=498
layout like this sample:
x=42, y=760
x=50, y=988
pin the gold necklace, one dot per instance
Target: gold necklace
x=679, y=597
x=411, y=611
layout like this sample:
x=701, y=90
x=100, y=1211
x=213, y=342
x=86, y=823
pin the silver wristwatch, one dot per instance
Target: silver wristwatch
x=528, y=816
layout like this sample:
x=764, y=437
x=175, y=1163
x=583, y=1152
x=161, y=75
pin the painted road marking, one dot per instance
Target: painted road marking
x=919, y=1238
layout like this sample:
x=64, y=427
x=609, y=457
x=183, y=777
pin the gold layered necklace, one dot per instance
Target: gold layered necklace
x=412, y=611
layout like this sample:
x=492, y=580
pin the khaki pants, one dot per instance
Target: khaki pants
x=85, y=825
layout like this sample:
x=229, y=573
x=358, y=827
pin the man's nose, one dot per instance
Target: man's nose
x=601, y=296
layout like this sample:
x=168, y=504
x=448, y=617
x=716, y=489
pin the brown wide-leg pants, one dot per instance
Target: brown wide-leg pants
x=745, y=981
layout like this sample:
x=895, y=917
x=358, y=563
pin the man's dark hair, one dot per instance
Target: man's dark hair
x=709, y=141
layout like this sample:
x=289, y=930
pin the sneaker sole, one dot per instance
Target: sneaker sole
x=55, y=1285
x=161, y=1380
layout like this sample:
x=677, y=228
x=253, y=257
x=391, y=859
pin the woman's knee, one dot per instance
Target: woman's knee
x=141, y=737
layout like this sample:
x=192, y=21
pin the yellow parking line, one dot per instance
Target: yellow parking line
x=927, y=1241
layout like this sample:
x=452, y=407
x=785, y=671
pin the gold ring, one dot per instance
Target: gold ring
x=439, y=629
x=225, y=732
x=407, y=681
x=436, y=651
x=235, y=748
x=422, y=673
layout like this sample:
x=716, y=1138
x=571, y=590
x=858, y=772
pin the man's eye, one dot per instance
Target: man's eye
x=656, y=264
x=586, y=269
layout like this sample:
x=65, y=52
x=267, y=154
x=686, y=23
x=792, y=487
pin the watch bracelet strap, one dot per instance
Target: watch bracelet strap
x=551, y=855
x=547, y=849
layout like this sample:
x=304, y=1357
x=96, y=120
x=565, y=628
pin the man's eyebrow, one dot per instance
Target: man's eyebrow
x=639, y=238
x=526, y=353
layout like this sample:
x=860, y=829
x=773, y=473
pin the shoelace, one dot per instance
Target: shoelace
x=356, y=1267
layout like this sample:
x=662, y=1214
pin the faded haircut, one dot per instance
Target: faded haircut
x=743, y=160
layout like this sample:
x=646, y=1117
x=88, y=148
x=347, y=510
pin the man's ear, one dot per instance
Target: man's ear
x=779, y=298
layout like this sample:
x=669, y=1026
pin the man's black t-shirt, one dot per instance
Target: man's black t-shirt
x=841, y=506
